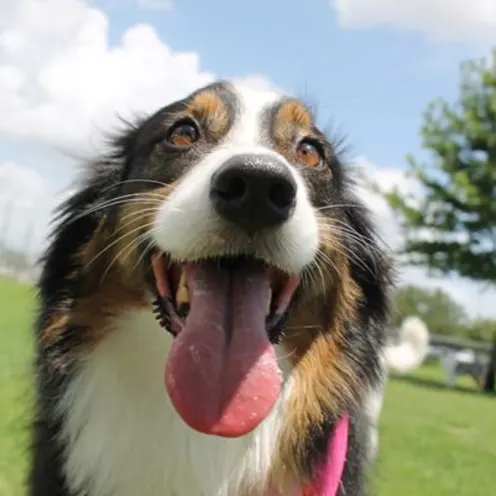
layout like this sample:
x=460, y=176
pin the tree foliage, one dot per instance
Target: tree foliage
x=441, y=313
x=482, y=329
x=450, y=225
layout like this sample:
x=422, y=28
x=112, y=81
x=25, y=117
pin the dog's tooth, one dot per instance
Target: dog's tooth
x=182, y=295
x=183, y=280
x=269, y=301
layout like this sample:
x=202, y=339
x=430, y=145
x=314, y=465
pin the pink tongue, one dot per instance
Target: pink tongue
x=222, y=374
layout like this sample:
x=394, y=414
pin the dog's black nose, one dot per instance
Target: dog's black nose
x=254, y=191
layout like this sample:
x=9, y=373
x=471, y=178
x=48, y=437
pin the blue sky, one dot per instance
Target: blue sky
x=68, y=67
x=374, y=83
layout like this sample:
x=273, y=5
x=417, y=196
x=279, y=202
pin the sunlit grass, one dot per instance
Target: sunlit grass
x=432, y=441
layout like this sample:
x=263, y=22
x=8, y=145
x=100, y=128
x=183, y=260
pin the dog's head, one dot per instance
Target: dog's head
x=231, y=210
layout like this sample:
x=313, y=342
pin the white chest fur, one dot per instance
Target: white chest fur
x=125, y=438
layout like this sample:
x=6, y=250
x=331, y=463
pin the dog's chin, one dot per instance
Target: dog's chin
x=225, y=314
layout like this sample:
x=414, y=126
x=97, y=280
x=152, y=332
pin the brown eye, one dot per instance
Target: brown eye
x=308, y=154
x=183, y=134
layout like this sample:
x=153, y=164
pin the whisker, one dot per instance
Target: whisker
x=132, y=225
x=341, y=205
x=135, y=198
x=340, y=226
x=129, y=247
x=131, y=217
x=345, y=251
x=321, y=272
x=313, y=326
x=362, y=241
x=116, y=241
x=335, y=240
x=289, y=354
x=367, y=245
x=347, y=229
x=328, y=260
x=149, y=246
x=136, y=180
x=310, y=276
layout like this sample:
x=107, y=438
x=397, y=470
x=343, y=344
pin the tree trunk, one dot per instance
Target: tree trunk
x=490, y=379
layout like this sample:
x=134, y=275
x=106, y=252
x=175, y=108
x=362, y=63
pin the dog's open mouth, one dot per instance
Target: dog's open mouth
x=173, y=287
x=222, y=374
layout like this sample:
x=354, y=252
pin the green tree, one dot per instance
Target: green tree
x=481, y=329
x=450, y=226
x=435, y=307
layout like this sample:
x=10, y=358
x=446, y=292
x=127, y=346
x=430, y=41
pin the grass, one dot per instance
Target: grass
x=436, y=441
x=432, y=441
x=16, y=317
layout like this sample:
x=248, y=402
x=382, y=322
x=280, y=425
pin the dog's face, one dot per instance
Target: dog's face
x=232, y=209
x=238, y=225
x=241, y=167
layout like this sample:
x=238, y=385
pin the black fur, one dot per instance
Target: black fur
x=364, y=338
x=135, y=157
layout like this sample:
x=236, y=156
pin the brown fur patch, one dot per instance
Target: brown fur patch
x=209, y=108
x=314, y=340
x=96, y=311
x=54, y=327
x=113, y=277
x=120, y=250
x=292, y=121
x=135, y=221
x=90, y=317
x=294, y=112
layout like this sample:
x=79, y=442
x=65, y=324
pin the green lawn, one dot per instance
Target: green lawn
x=16, y=317
x=433, y=442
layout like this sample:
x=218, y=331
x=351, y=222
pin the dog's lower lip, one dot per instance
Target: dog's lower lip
x=172, y=302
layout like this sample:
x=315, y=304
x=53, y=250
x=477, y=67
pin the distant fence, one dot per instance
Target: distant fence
x=456, y=343
x=483, y=364
x=28, y=275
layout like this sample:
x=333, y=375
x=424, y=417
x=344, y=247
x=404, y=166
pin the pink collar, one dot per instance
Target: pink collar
x=330, y=474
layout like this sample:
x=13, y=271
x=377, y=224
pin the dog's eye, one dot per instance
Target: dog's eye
x=308, y=153
x=184, y=133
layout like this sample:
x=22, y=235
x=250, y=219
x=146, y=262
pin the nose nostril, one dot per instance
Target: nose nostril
x=237, y=188
x=282, y=194
x=253, y=192
x=234, y=189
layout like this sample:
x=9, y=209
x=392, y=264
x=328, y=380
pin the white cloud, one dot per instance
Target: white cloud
x=156, y=4
x=62, y=84
x=26, y=200
x=443, y=20
x=387, y=178
x=258, y=82
x=20, y=182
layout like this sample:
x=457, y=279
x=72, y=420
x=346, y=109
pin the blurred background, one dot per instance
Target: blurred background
x=412, y=87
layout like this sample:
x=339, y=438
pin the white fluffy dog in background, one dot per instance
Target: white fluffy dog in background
x=400, y=358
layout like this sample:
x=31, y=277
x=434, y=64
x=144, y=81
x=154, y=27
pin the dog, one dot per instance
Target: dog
x=462, y=362
x=212, y=307
x=399, y=358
